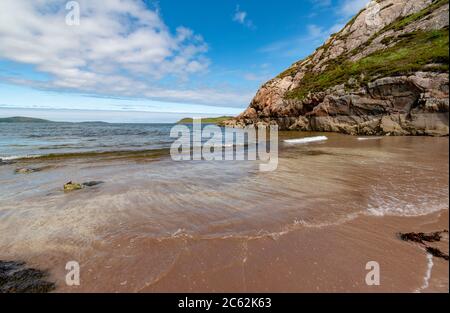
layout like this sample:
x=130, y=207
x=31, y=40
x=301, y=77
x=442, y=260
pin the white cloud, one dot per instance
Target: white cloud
x=251, y=77
x=319, y=34
x=352, y=7
x=336, y=28
x=302, y=45
x=321, y=3
x=315, y=31
x=120, y=48
x=260, y=76
x=241, y=18
x=315, y=35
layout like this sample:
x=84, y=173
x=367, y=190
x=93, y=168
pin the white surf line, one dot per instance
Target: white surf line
x=18, y=157
x=306, y=140
x=427, y=277
x=369, y=138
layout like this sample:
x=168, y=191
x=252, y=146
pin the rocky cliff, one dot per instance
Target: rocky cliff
x=384, y=73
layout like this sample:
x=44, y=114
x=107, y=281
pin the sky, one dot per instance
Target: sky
x=169, y=56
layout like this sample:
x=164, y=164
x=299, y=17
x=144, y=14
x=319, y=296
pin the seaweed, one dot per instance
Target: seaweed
x=16, y=277
x=421, y=237
x=437, y=253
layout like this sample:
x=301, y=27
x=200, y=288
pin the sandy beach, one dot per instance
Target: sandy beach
x=155, y=225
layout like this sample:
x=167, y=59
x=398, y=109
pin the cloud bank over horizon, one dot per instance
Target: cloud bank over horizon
x=118, y=49
x=150, y=52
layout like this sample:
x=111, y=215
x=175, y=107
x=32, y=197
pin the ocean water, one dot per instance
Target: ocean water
x=160, y=225
x=18, y=140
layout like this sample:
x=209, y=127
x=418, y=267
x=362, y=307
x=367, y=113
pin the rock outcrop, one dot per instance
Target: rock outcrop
x=384, y=73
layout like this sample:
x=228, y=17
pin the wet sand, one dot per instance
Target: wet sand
x=304, y=260
x=311, y=226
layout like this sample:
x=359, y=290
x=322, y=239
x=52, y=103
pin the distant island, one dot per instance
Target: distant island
x=22, y=119
x=208, y=120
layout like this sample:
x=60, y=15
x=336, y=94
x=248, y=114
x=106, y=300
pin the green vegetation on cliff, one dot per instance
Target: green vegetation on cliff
x=417, y=51
x=402, y=22
x=209, y=120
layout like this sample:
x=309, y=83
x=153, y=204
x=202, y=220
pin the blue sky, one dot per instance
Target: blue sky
x=200, y=56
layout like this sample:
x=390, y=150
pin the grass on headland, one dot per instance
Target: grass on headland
x=413, y=52
x=209, y=120
x=402, y=22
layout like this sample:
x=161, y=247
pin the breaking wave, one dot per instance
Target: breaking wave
x=306, y=140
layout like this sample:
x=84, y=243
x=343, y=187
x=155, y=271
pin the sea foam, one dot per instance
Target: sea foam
x=369, y=138
x=18, y=157
x=306, y=140
x=427, y=277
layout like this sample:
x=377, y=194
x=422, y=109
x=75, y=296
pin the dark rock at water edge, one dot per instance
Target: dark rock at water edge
x=6, y=162
x=16, y=277
x=92, y=183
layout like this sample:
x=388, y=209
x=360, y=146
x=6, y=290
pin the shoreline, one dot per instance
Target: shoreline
x=310, y=226
x=302, y=260
x=159, y=152
x=130, y=154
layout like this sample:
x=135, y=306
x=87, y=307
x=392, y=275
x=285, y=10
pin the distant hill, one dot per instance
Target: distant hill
x=208, y=120
x=22, y=119
x=94, y=122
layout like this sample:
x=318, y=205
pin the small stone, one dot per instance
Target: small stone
x=70, y=186
x=25, y=170
x=92, y=183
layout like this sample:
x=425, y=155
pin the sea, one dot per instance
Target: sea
x=333, y=203
x=22, y=140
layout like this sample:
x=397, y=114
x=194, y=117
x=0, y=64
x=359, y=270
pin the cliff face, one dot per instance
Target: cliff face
x=384, y=73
